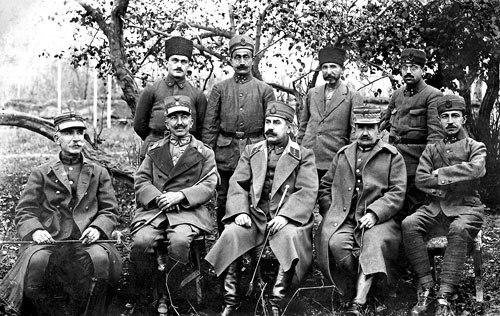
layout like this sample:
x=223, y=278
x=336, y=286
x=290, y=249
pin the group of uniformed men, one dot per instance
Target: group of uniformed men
x=238, y=144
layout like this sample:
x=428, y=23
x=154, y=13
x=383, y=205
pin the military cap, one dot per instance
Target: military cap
x=177, y=103
x=178, y=46
x=413, y=56
x=450, y=103
x=240, y=41
x=280, y=109
x=331, y=54
x=366, y=114
x=69, y=120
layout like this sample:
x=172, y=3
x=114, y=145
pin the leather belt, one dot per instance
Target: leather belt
x=404, y=140
x=240, y=135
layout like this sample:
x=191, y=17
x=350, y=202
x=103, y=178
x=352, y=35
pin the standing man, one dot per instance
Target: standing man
x=149, y=116
x=326, y=120
x=65, y=200
x=235, y=115
x=167, y=182
x=412, y=121
x=359, y=197
x=449, y=172
x=271, y=198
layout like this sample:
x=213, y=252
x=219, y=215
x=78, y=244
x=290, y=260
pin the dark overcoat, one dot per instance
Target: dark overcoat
x=46, y=194
x=384, y=187
x=460, y=165
x=292, y=244
x=157, y=174
x=325, y=127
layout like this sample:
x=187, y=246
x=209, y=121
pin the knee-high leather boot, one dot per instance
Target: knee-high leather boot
x=280, y=289
x=231, y=288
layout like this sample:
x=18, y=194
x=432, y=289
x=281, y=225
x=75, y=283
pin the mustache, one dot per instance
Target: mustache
x=270, y=132
x=242, y=67
x=180, y=126
x=178, y=69
x=451, y=125
x=408, y=76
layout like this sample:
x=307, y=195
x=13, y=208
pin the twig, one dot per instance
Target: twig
x=334, y=287
x=168, y=289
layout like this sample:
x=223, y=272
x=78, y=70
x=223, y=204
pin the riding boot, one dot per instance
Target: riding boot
x=231, y=288
x=254, y=285
x=280, y=289
x=40, y=300
x=99, y=298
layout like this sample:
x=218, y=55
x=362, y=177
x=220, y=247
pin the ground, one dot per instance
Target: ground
x=21, y=150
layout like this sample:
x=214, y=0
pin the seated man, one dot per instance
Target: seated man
x=448, y=172
x=271, y=193
x=175, y=179
x=358, y=198
x=66, y=199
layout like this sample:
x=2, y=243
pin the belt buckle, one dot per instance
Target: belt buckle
x=239, y=135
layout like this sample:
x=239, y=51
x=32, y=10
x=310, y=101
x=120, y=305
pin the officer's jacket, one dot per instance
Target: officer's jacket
x=413, y=114
x=459, y=167
x=157, y=174
x=48, y=193
x=327, y=127
x=150, y=110
x=235, y=108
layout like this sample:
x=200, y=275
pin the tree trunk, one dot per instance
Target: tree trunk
x=46, y=128
x=490, y=97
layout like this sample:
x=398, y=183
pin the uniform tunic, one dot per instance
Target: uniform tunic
x=454, y=206
x=326, y=125
x=149, y=119
x=384, y=183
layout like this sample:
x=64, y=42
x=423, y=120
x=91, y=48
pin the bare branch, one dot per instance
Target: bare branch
x=231, y=19
x=96, y=15
x=214, y=30
x=281, y=87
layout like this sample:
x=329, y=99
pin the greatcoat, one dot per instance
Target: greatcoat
x=460, y=165
x=292, y=244
x=384, y=186
x=325, y=127
x=157, y=174
x=46, y=194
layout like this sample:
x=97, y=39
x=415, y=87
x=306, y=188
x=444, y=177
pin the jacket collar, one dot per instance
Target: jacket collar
x=412, y=90
x=243, y=78
x=171, y=81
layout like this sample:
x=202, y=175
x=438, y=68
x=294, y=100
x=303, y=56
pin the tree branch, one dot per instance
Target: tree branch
x=96, y=15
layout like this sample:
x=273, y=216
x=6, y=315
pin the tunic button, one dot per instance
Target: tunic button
x=345, y=209
x=58, y=206
x=71, y=182
x=241, y=109
x=335, y=224
x=447, y=150
x=359, y=159
x=57, y=181
x=86, y=207
x=359, y=180
x=85, y=193
x=357, y=170
x=442, y=181
x=70, y=168
x=57, y=192
x=349, y=189
x=241, y=94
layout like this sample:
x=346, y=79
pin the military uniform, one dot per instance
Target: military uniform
x=449, y=172
x=412, y=121
x=256, y=189
x=234, y=119
x=149, y=119
x=65, y=197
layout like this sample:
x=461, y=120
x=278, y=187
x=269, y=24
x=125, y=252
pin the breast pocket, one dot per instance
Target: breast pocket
x=418, y=117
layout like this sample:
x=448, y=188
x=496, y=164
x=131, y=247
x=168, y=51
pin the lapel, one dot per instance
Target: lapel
x=338, y=97
x=350, y=153
x=58, y=169
x=320, y=96
x=83, y=181
x=287, y=163
x=189, y=158
x=160, y=154
x=258, y=166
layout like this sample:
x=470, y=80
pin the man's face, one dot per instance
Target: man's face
x=276, y=130
x=242, y=61
x=71, y=140
x=179, y=123
x=177, y=66
x=331, y=72
x=366, y=134
x=452, y=121
x=412, y=73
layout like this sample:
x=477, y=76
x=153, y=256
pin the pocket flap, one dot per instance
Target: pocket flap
x=223, y=141
x=418, y=111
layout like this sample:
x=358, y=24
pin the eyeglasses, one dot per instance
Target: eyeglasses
x=411, y=67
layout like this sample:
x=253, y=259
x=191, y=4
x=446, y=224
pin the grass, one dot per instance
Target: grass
x=21, y=150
